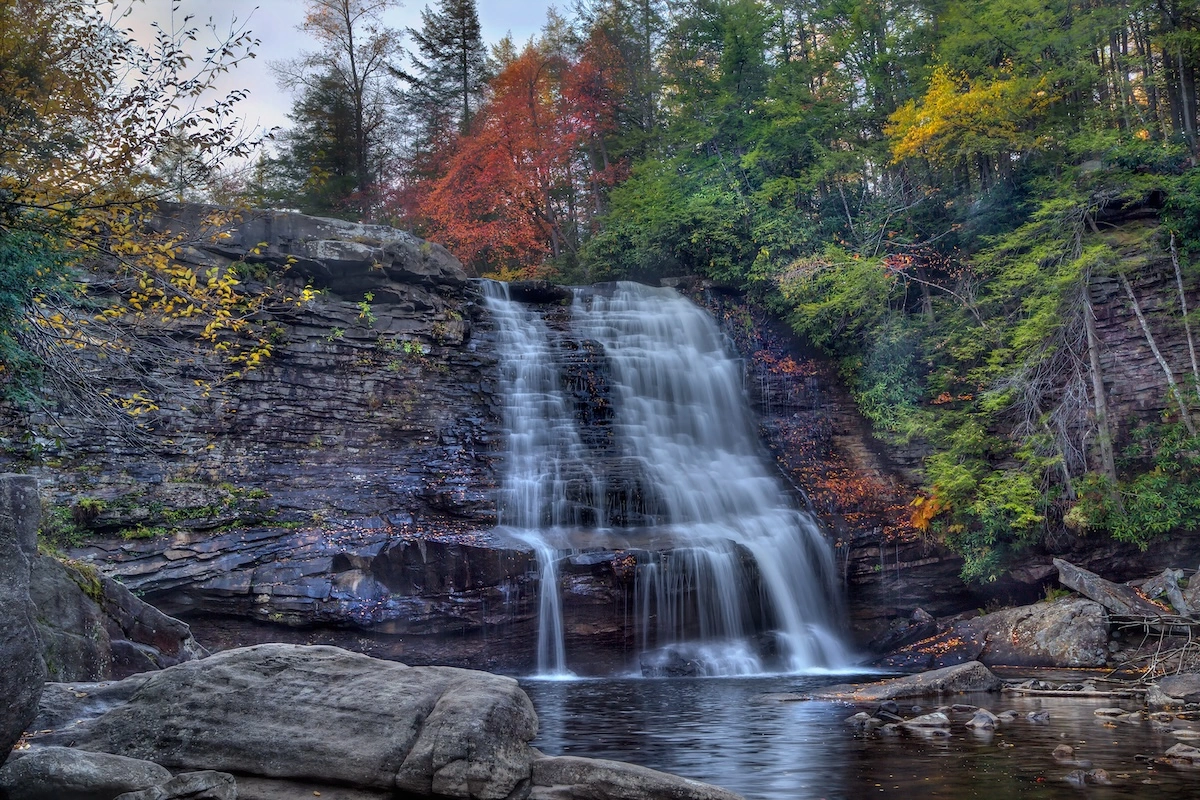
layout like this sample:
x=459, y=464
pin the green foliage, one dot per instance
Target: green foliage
x=31, y=263
x=1155, y=496
x=59, y=529
x=365, y=313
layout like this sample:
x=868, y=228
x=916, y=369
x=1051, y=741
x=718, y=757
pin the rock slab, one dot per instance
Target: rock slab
x=23, y=671
x=327, y=715
x=55, y=773
x=572, y=778
x=970, y=677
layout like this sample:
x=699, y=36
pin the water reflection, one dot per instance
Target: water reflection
x=723, y=732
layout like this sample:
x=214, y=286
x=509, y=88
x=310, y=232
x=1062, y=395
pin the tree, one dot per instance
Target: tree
x=354, y=62
x=449, y=73
x=86, y=114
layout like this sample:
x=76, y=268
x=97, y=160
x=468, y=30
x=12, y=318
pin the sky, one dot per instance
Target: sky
x=275, y=21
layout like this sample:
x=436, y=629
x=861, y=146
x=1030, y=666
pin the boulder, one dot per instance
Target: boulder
x=203, y=785
x=571, y=778
x=93, y=628
x=983, y=720
x=55, y=773
x=969, y=677
x=1071, y=633
x=24, y=670
x=927, y=722
x=1174, y=691
x=1117, y=598
x=321, y=713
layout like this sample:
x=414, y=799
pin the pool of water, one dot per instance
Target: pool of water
x=723, y=731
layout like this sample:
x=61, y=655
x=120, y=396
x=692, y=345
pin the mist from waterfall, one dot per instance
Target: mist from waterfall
x=741, y=581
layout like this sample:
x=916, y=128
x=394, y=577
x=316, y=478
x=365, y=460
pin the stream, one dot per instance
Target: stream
x=722, y=731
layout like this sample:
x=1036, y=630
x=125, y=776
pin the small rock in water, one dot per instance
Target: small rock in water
x=983, y=720
x=1186, y=734
x=1184, y=751
x=1077, y=778
x=889, y=706
x=1109, y=712
x=863, y=721
x=916, y=709
x=1064, y=752
x=1099, y=777
x=963, y=708
x=1038, y=716
x=936, y=724
x=1070, y=687
x=1007, y=716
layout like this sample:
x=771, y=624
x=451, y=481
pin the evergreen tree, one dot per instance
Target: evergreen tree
x=343, y=84
x=449, y=72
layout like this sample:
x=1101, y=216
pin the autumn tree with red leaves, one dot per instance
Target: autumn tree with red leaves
x=521, y=186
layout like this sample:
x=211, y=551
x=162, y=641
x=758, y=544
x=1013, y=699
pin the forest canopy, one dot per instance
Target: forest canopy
x=932, y=193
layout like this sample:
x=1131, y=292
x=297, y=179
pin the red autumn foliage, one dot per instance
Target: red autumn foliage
x=516, y=189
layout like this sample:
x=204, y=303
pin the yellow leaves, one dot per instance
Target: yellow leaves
x=137, y=404
x=960, y=116
x=924, y=510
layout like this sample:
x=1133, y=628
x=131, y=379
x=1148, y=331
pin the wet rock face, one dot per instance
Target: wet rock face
x=23, y=670
x=385, y=411
x=300, y=493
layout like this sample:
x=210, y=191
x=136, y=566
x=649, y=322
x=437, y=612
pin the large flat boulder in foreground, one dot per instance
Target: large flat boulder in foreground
x=969, y=677
x=286, y=719
x=327, y=715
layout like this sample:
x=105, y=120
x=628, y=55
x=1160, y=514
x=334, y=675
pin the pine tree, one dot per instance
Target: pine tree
x=449, y=72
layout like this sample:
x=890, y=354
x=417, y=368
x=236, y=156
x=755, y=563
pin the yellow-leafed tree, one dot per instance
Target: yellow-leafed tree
x=87, y=116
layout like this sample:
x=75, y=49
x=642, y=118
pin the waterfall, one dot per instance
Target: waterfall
x=544, y=456
x=738, y=576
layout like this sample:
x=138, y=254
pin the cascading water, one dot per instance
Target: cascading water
x=544, y=456
x=732, y=557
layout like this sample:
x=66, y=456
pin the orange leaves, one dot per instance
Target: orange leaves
x=924, y=510
x=512, y=189
x=785, y=365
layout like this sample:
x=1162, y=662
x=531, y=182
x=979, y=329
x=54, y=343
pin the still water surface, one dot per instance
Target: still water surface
x=721, y=730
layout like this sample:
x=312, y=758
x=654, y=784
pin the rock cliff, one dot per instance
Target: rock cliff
x=343, y=492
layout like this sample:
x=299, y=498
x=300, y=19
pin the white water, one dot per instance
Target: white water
x=543, y=447
x=682, y=415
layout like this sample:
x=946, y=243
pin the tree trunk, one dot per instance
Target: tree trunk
x=1187, y=325
x=1099, y=399
x=1162, y=362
